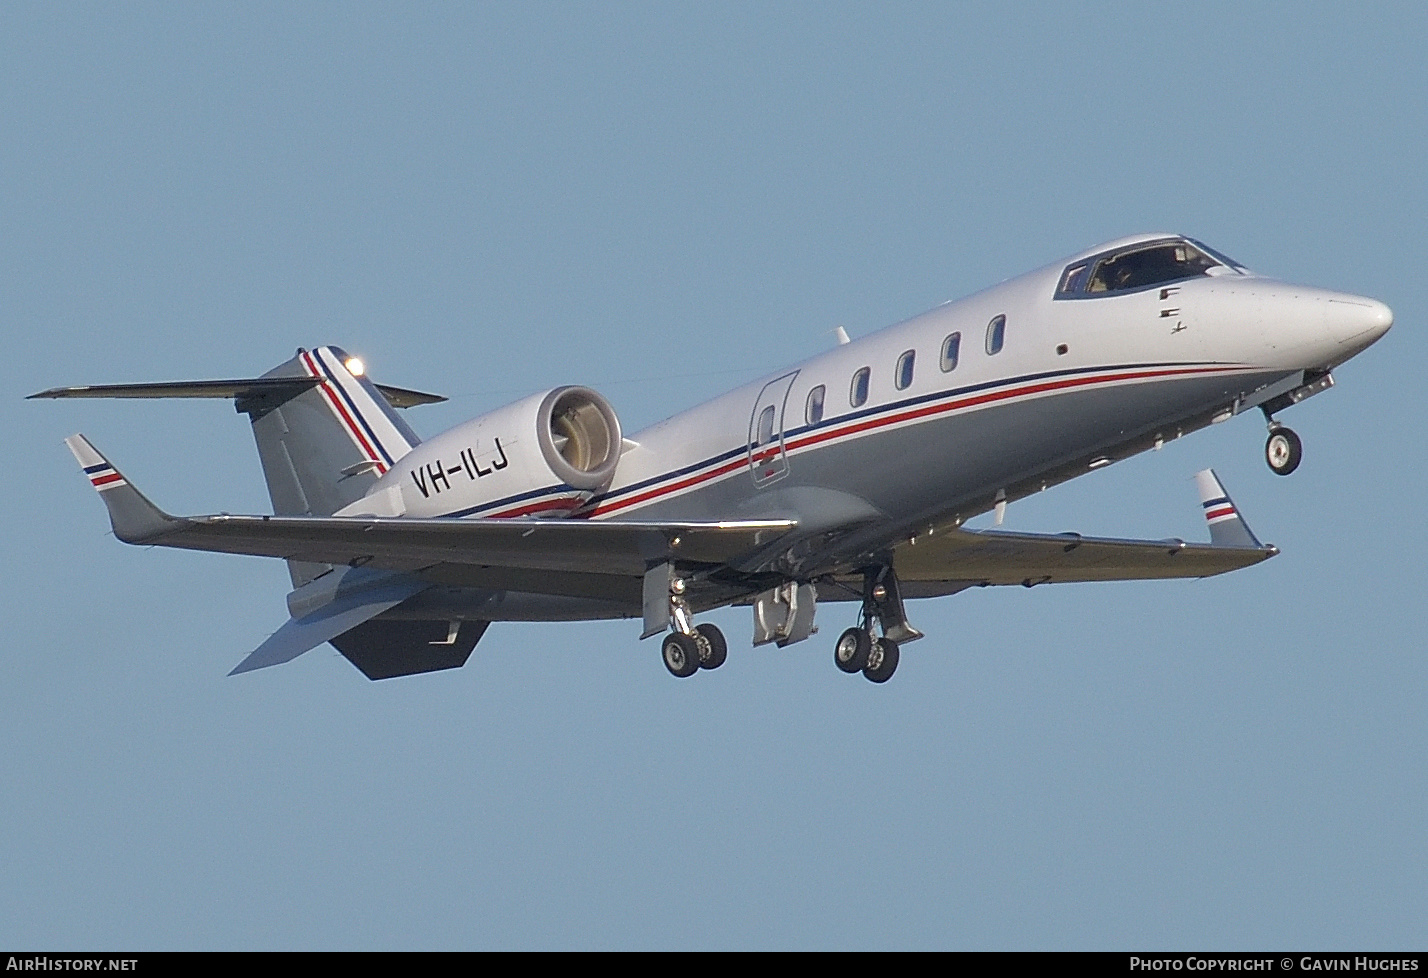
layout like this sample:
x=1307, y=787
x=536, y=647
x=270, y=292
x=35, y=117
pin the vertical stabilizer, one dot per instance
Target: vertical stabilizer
x=323, y=449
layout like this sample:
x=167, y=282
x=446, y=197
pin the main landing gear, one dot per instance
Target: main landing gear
x=686, y=648
x=859, y=649
x=684, y=655
x=689, y=647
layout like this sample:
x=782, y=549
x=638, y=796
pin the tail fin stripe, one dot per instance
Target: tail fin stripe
x=337, y=382
x=342, y=414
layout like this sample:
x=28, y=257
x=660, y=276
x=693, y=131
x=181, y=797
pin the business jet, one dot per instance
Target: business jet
x=846, y=478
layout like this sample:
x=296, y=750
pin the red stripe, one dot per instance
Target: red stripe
x=104, y=480
x=1211, y=514
x=914, y=414
x=341, y=410
x=542, y=507
x=682, y=484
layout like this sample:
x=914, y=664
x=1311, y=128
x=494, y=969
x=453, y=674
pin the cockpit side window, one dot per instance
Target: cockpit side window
x=1072, y=279
x=1219, y=256
x=1141, y=268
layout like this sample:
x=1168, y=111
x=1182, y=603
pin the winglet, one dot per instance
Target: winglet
x=1227, y=527
x=134, y=518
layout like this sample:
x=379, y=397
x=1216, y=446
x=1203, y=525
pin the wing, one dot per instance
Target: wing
x=952, y=559
x=539, y=556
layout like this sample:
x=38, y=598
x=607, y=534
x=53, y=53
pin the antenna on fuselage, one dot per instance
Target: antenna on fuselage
x=842, y=335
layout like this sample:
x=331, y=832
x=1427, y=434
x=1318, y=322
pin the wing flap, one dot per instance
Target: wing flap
x=999, y=557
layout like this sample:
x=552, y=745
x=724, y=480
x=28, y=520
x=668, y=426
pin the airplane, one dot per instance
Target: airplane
x=846, y=478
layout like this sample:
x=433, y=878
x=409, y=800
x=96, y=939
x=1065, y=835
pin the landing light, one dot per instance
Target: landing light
x=354, y=366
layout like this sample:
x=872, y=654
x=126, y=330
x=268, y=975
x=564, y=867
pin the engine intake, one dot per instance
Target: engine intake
x=580, y=437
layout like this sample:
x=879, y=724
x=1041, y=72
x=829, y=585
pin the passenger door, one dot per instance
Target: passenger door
x=768, y=462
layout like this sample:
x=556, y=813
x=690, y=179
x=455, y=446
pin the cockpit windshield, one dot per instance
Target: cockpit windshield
x=1139, y=266
x=1144, y=267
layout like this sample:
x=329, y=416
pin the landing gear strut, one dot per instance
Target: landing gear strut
x=859, y=649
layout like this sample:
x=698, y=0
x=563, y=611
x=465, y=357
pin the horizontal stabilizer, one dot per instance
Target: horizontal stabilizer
x=344, y=613
x=253, y=391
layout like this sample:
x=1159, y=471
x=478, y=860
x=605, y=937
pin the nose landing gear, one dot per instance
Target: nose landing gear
x=1283, y=449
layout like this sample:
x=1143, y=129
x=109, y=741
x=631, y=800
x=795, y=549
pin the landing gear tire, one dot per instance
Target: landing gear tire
x=882, y=661
x=1283, y=451
x=713, y=650
x=851, y=652
x=681, y=654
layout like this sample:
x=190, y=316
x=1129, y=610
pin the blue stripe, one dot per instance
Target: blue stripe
x=887, y=409
x=1222, y=501
x=518, y=498
x=91, y=469
x=317, y=355
x=829, y=423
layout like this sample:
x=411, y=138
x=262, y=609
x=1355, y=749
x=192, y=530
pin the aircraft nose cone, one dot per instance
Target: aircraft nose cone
x=1358, y=321
x=1380, y=318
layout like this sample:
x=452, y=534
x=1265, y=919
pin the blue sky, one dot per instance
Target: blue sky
x=661, y=201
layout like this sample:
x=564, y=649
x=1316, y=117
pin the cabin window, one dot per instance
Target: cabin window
x=903, y=378
x=766, y=426
x=813, y=410
x=951, y=346
x=996, y=335
x=858, y=392
x=1141, y=268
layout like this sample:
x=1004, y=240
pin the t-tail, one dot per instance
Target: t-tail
x=325, y=433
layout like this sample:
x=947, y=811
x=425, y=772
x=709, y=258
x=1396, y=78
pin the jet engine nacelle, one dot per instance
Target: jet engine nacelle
x=544, y=455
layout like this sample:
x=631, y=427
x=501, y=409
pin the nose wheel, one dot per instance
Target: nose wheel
x=1283, y=450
